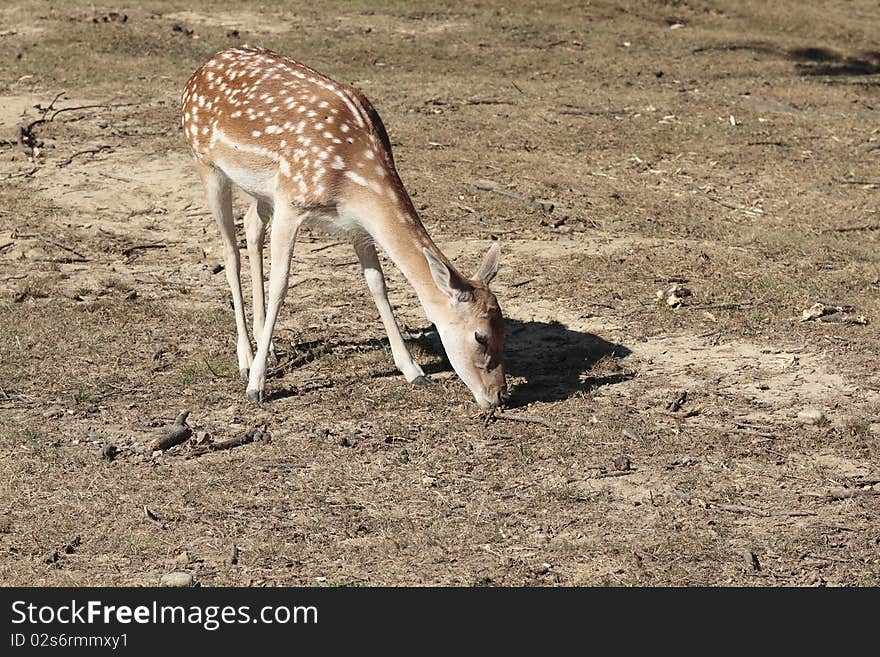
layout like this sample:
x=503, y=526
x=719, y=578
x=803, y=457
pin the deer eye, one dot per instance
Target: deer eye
x=482, y=340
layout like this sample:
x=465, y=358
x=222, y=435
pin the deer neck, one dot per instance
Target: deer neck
x=395, y=225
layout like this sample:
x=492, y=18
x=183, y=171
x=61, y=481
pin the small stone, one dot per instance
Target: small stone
x=622, y=463
x=216, y=269
x=874, y=428
x=811, y=416
x=542, y=569
x=751, y=560
x=429, y=481
x=176, y=580
x=232, y=555
x=182, y=559
x=109, y=452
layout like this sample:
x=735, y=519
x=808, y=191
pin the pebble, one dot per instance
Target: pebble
x=751, y=560
x=177, y=580
x=811, y=416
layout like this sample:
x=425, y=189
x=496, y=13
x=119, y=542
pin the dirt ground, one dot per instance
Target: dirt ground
x=732, y=148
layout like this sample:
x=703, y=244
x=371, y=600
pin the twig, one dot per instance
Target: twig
x=88, y=151
x=63, y=261
x=731, y=206
x=858, y=182
x=851, y=229
x=66, y=248
x=793, y=514
x=738, y=508
x=849, y=494
x=43, y=118
x=486, y=101
x=494, y=187
x=208, y=365
x=756, y=430
x=614, y=473
x=327, y=246
x=23, y=174
x=131, y=249
x=152, y=517
x=515, y=417
x=521, y=283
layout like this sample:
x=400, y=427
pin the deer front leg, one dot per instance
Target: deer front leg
x=372, y=268
x=219, y=193
x=285, y=225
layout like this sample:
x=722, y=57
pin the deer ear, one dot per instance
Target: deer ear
x=489, y=268
x=447, y=280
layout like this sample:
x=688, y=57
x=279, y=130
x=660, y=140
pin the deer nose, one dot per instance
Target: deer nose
x=502, y=396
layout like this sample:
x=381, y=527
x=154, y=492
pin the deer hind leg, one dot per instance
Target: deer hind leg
x=372, y=268
x=255, y=221
x=219, y=192
x=286, y=221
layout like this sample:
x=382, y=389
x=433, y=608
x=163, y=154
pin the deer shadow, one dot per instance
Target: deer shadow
x=811, y=60
x=554, y=361
x=821, y=61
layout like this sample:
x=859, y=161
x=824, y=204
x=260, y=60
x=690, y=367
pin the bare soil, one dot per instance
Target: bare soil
x=731, y=148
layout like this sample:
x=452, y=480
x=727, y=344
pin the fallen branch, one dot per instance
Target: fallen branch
x=174, y=434
x=137, y=247
x=23, y=174
x=88, y=151
x=43, y=118
x=248, y=437
x=251, y=435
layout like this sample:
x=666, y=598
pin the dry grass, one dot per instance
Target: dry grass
x=366, y=481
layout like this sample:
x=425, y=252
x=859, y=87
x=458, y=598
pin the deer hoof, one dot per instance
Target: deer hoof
x=255, y=395
x=421, y=382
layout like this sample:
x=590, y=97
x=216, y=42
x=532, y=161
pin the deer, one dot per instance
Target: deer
x=312, y=152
